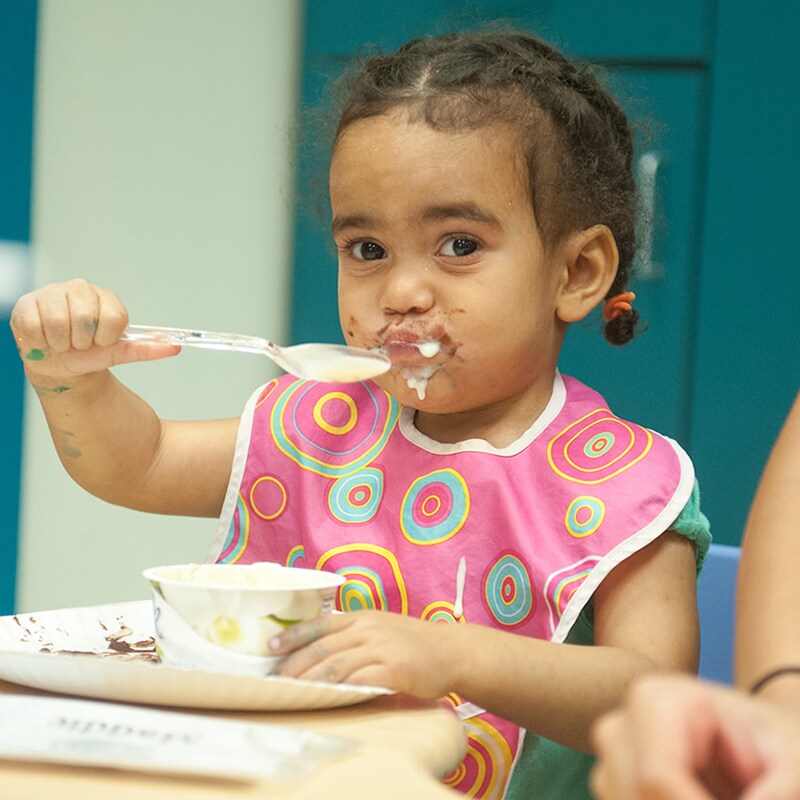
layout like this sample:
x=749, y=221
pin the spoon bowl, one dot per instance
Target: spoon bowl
x=317, y=362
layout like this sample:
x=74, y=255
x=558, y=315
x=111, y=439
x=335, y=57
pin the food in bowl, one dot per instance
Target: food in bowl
x=221, y=616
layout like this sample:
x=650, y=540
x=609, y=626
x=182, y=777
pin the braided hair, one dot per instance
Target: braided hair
x=576, y=141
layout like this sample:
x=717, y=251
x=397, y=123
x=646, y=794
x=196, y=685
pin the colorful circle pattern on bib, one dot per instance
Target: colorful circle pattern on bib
x=355, y=498
x=585, y=514
x=238, y=534
x=435, y=507
x=333, y=432
x=561, y=586
x=485, y=769
x=374, y=580
x=296, y=556
x=268, y=497
x=508, y=592
x=440, y=611
x=597, y=447
x=267, y=391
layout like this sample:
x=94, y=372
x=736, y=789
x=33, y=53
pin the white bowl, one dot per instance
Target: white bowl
x=221, y=616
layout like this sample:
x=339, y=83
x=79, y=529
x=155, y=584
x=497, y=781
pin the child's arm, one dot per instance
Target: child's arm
x=109, y=439
x=769, y=591
x=645, y=621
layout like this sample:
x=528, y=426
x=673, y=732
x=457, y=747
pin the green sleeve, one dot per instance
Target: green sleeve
x=693, y=524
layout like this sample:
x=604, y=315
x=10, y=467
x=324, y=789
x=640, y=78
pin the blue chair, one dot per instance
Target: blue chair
x=716, y=603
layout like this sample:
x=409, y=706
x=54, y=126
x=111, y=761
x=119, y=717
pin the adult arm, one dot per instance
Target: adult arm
x=768, y=599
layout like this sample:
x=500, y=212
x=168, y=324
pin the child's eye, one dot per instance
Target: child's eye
x=367, y=251
x=459, y=246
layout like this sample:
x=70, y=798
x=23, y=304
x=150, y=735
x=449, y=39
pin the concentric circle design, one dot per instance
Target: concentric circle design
x=266, y=392
x=296, y=557
x=597, y=447
x=435, y=507
x=355, y=498
x=441, y=611
x=486, y=768
x=268, y=497
x=374, y=580
x=333, y=432
x=562, y=585
x=585, y=514
x=238, y=534
x=345, y=417
x=363, y=590
x=507, y=590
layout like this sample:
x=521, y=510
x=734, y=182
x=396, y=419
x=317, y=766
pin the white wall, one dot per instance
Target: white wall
x=162, y=171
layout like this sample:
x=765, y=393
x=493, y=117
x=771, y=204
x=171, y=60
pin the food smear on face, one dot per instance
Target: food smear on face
x=418, y=379
x=429, y=349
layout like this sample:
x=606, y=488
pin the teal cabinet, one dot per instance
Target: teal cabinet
x=747, y=349
x=17, y=49
x=647, y=379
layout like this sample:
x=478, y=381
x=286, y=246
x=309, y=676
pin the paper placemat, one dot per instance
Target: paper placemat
x=92, y=733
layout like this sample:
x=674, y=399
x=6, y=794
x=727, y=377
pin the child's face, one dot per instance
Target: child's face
x=438, y=242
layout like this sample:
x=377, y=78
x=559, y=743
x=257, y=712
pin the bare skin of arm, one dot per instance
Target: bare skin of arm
x=645, y=621
x=109, y=439
x=769, y=592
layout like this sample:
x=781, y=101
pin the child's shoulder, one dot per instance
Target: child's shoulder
x=580, y=398
x=584, y=424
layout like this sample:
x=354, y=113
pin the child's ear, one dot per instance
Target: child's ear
x=590, y=265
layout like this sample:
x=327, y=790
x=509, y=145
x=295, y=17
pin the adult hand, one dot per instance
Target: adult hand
x=677, y=738
x=374, y=648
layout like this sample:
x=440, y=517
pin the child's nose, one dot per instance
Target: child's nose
x=408, y=289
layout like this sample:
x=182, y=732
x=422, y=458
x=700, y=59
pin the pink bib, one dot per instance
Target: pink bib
x=336, y=477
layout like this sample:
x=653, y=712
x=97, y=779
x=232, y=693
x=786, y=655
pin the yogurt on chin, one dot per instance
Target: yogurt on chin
x=418, y=379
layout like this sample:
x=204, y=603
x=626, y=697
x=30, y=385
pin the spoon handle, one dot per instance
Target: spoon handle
x=190, y=337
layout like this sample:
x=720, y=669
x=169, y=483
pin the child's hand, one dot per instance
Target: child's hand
x=66, y=330
x=369, y=648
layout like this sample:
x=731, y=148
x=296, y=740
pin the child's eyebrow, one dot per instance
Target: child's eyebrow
x=437, y=213
x=353, y=221
x=469, y=211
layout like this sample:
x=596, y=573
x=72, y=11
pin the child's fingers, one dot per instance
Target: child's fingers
x=129, y=352
x=302, y=634
x=83, y=307
x=64, y=312
x=53, y=309
x=111, y=320
x=26, y=324
x=72, y=315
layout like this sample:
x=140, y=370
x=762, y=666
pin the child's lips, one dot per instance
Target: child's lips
x=408, y=347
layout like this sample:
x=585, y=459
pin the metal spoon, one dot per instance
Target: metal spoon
x=317, y=362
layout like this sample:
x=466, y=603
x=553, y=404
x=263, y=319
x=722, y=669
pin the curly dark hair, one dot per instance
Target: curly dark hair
x=575, y=138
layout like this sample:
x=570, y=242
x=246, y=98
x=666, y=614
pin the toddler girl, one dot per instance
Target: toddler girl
x=482, y=200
